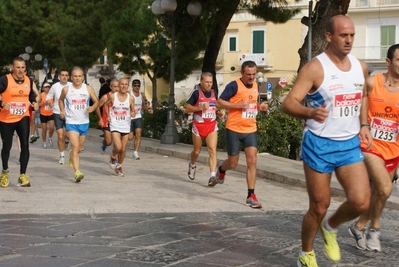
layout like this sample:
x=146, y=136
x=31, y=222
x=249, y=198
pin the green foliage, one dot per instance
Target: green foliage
x=154, y=124
x=222, y=136
x=276, y=11
x=279, y=134
x=93, y=120
x=67, y=33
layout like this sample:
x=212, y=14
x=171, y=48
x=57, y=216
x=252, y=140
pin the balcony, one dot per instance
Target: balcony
x=374, y=3
x=261, y=60
x=371, y=53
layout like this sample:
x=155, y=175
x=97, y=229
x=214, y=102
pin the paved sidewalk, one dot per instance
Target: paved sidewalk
x=270, y=167
x=156, y=216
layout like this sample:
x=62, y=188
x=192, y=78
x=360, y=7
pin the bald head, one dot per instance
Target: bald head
x=336, y=20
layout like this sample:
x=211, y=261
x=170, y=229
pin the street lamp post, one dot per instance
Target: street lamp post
x=26, y=57
x=261, y=79
x=168, y=8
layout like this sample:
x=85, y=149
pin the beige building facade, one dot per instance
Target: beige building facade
x=274, y=47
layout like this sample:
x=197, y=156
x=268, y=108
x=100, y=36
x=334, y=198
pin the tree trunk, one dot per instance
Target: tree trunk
x=153, y=79
x=223, y=17
x=320, y=16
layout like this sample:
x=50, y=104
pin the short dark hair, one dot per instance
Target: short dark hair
x=249, y=64
x=17, y=59
x=136, y=81
x=62, y=70
x=102, y=80
x=391, y=51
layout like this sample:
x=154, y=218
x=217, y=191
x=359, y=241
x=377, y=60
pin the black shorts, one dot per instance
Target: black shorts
x=136, y=124
x=233, y=140
x=45, y=119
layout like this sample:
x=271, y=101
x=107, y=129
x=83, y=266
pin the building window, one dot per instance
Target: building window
x=387, y=39
x=258, y=41
x=362, y=3
x=232, y=37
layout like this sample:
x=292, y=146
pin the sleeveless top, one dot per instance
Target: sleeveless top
x=138, y=104
x=76, y=103
x=18, y=96
x=54, y=93
x=45, y=109
x=104, y=115
x=342, y=93
x=243, y=120
x=120, y=115
x=208, y=115
x=383, y=117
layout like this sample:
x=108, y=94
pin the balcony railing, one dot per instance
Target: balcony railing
x=375, y=3
x=371, y=53
x=261, y=60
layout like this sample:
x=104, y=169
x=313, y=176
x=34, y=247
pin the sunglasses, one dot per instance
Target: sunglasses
x=136, y=85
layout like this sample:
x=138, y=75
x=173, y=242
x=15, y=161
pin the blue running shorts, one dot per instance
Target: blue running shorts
x=325, y=155
x=80, y=128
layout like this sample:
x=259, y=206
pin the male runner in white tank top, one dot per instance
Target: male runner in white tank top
x=333, y=85
x=76, y=111
x=119, y=116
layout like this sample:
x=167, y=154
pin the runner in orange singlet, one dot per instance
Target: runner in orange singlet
x=17, y=96
x=382, y=157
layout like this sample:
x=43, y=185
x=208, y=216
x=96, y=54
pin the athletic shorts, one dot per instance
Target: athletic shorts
x=136, y=124
x=45, y=119
x=122, y=134
x=390, y=164
x=37, y=121
x=233, y=140
x=80, y=128
x=58, y=122
x=203, y=129
x=325, y=155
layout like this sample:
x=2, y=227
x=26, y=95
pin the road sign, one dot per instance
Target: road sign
x=269, y=86
x=282, y=82
x=45, y=65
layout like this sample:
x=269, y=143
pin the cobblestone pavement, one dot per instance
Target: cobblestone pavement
x=156, y=216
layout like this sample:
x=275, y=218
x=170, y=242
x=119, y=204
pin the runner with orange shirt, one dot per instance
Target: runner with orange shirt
x=17, y=96
x=46, y=117
x=382, y=158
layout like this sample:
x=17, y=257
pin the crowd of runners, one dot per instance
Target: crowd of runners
x=351, y=129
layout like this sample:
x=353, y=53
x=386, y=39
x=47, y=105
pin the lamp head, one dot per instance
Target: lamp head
x=168, y=6
x=194, y=8
x=156, y=8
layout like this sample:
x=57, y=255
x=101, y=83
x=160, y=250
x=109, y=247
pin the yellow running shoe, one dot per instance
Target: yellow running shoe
x=79, y=176
x=70, y=163
x=4, y=179
x=23, y=180
x=307, y=260
x=331, y=247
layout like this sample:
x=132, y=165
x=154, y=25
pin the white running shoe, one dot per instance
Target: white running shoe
x=359, y=236
x=50, y=142
x=113, y=162
x=118, y=170
x=191, y=171
x=136, y=155
x=373, y=240
x=62, y=160
x=44, y=145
